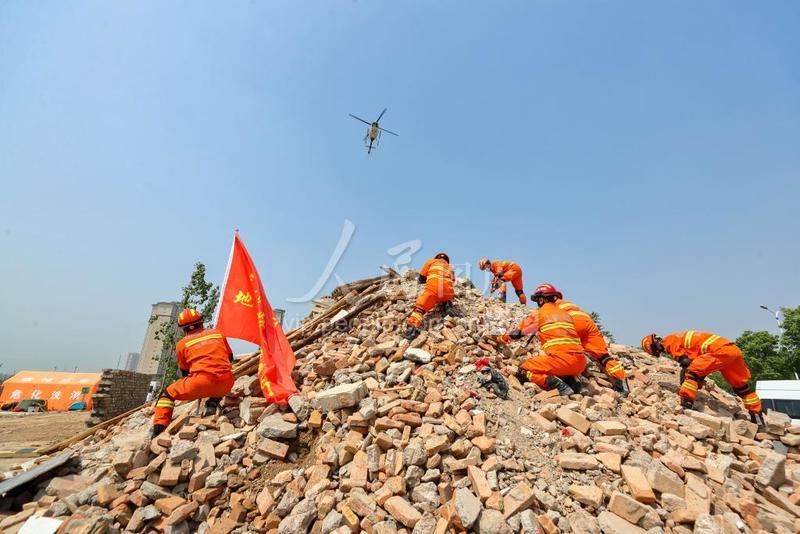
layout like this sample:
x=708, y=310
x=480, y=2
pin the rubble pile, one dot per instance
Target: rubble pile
x=388, y=438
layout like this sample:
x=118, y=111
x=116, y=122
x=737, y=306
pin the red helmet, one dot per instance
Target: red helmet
x=651, y=344
x=442, y=256
x=189, y=316
x=483, y=264
x=546, y=290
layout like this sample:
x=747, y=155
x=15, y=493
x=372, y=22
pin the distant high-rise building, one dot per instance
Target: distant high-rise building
x=150, y=361
x=132, y=361
x=279, y=313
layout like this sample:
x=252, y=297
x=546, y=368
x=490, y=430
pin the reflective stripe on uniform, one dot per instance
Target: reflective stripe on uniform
x=687, y=338
x=553, y=326
x=689, y=385
x=165, y=403
x=751, y=399
x=707, y=343
x=438, y=271
x=615, y=368
x=562, y=341
x=203, y=338
x=582, y=313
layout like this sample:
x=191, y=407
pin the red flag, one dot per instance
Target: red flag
x=245, y=313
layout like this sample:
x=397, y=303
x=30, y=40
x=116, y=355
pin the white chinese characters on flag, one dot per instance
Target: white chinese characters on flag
x=245, y=313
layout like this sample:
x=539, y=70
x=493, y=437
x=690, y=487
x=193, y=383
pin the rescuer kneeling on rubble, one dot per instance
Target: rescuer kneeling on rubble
x=563, y=358
x=700, y=354
x=594, y=345
x=204, y=359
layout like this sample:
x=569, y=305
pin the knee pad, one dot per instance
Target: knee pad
x=689, y=389
x=415, y=319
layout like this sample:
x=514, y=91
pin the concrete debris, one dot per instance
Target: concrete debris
x=391, y=438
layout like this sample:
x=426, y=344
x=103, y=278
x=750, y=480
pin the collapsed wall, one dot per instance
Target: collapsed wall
x=387, y=439
x=118, y=391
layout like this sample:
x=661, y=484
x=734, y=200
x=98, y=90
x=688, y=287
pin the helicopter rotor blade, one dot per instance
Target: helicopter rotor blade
x=381, y=115
x=387, y=131
x=360, y=119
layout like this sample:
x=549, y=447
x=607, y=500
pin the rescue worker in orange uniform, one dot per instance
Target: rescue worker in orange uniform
x=594, y=345
x=438, y=277
x=204, y=360
x=504, y=271
x=700, y=354
x=563, y=358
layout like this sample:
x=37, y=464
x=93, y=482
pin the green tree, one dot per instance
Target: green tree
x=790, y=338
x=596, y=318
x=198, y=294
x=770, y=356
x=763, y=355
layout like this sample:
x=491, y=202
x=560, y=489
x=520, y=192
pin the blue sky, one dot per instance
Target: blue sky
x=643, y=157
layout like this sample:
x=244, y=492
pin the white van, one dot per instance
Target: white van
x=781, y=396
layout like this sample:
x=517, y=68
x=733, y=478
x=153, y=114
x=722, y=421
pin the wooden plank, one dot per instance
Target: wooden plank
x=31, y=474
x=86, y=433
x=249, y=364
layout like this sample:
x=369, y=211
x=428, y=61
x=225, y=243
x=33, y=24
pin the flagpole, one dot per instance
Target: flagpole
x=225, y=280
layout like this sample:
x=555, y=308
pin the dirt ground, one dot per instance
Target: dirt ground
x=36, y=430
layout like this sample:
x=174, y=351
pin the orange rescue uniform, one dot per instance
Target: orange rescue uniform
x=709, y=353
x=560, y=342
x=205, y=356
x=592, y=339
x=511, y=272
x=439, y=279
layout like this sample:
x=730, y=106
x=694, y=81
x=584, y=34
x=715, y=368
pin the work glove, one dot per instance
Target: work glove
x=495, y=286
x=684, y=361
x=523, y=376
x=183, y=372
x=422, y=279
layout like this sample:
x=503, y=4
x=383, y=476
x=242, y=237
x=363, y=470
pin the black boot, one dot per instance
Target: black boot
x=573, y=383
x=758, y=419
x=212, y=406
x=687, y=404
x=448, y=308
x=556, y=383
x=411, y=334
x=157, y=429
x=620, y=386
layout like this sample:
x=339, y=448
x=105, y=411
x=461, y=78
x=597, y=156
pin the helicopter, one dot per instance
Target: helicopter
x=374, y=131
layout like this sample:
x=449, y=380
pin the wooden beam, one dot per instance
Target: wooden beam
x=362, y=298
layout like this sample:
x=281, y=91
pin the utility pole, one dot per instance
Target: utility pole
x=776, y=315
x=119, y=360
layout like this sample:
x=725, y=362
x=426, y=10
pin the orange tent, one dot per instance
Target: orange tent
x=60, y=390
